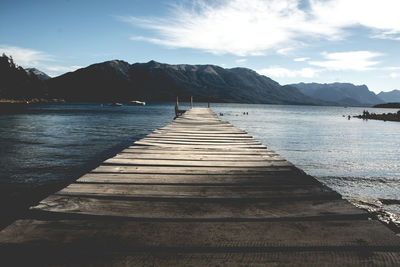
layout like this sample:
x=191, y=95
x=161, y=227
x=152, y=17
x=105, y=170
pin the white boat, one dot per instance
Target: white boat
x=115, y=104
x=136, y=103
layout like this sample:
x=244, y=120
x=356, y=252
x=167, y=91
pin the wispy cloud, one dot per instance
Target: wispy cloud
x=28, y=58
x=394, y=75
x=151, y=40
x=62, y=69
x=285, y=51
x=241, y=61
x=353, y=60
x=238, y=27
x=390, y=35
x=301, y=59
x=391, y=68
x=280, y=72
x=54, y=70
x=25, y=57
x=253, y=27
x=380, y=16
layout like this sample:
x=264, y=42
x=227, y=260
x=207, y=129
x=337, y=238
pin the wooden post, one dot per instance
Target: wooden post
x=176, y=107
x=208, y=87
x=191, y=102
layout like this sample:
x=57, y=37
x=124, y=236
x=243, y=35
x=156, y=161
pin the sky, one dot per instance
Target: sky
x=290, y=41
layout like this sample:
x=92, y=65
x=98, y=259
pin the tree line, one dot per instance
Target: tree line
x=18, y=84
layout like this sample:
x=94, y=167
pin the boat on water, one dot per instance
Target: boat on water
x=136, y=103
x=115, y=104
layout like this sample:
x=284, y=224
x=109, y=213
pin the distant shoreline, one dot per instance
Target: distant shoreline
x=12, y=105
x=388, y=105
x=31, y=101
x=18, y=105
x=382, y=117
x=10, y=102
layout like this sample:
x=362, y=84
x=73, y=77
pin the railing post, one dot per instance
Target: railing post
x=191, y=102
x=176, y=107
x=208, y=87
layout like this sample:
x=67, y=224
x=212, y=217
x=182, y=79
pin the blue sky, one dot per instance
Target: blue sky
x=325, y=41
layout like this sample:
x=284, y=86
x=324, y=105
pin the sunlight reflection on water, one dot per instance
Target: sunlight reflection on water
x=359, y=159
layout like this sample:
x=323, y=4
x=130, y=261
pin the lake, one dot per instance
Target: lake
x=45, y=147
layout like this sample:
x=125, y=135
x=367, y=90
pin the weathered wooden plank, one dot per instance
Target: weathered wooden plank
x=271, y=178
x=199, y=157
x=191, y=151
x=199, y=191
x=199, y=134
x=117, y=235
x=193, y=146
x=81, y=256
x=262, y=210
x=201, y=124
x=207, y=132
x=197, y=144
x=203, y=136
x=199, y=163
x=203, y=129
x=288, y=258
x=201, y=141
x=188, y=170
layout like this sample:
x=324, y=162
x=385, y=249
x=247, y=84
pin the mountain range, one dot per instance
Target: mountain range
x=39, y=74
x=392, y=96
x=153, y=81
x=118, y=80
x=346, y=94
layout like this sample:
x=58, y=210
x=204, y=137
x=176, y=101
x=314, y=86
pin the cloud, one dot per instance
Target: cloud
x=390, y=35
x=150, y=40
x=237, y=27
x=285, y=51
x=241, y=60
x=56, y=70
x=353, y=60
x=280, y=72
x=60, y=69
x=301, y=59
x=253, y=27
x=391, y=68
x=25, y=57
x=381, y=16
x=394, y=75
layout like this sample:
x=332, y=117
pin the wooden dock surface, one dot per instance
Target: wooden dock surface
x=197, y=192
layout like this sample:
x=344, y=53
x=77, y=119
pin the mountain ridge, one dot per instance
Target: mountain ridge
x=155, y=81
x=391, y=96
x=340, y=93
x=118, y=80
x=39, y=74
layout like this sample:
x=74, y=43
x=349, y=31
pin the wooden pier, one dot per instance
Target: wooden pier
x=197, y=192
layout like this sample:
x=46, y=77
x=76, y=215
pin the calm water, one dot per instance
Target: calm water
x=55, y=144
x=359, y=159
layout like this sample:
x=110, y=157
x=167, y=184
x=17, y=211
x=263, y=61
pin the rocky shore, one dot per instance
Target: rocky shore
x=383, y=117
x=388, y=105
